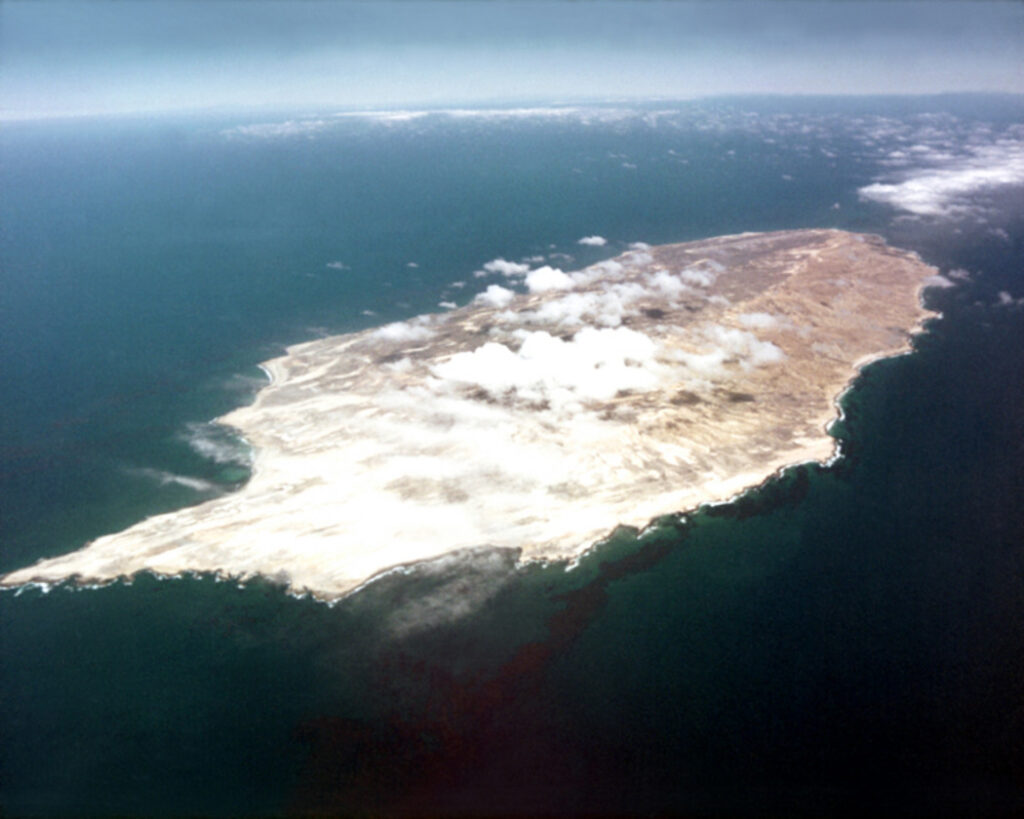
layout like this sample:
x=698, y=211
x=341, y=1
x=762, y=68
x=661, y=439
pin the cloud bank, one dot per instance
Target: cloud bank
x=949, y=190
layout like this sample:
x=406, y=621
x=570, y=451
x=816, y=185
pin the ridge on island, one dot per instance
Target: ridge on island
x=644, y=385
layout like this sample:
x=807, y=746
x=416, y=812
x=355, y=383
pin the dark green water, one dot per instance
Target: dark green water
x=846, y=639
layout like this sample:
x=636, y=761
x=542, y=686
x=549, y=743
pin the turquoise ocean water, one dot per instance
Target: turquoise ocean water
x=844, y=638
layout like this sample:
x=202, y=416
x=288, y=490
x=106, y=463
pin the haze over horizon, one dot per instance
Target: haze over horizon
x=84, y=58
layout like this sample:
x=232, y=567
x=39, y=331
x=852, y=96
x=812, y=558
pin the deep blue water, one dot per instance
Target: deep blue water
x=848, y=638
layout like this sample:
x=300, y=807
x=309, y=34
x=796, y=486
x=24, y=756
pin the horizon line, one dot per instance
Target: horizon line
x=340, y=109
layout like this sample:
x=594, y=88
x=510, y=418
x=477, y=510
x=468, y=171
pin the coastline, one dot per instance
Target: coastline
x=298, y=376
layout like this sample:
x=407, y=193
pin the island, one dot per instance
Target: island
x=552, y=409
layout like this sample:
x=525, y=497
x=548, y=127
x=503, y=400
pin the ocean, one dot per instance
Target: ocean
x=843, y=639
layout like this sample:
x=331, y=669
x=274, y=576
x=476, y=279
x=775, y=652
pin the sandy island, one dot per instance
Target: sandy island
x=552, y=409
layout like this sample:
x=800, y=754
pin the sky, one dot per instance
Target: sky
x=103, y=57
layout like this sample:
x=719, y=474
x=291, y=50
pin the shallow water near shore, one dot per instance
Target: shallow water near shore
x=843, y=637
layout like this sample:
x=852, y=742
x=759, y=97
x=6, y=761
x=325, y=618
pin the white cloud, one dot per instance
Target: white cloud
x=338, y=266
x=697, y=277
x=638, y=258
x=277, y=130
x=547, y=278
x=593, y=241
x=386, y=117
x=729, y=345
x=605, y=309
x=608, y=269
x=947, y=190
x=764, y=352
x=608, y=305
x=744, y=345
x=506, y=268
x=403, y=331
x=495, y=296
x=667, y=284
x=758, y=321
x=594, y=366
x=704, y=366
